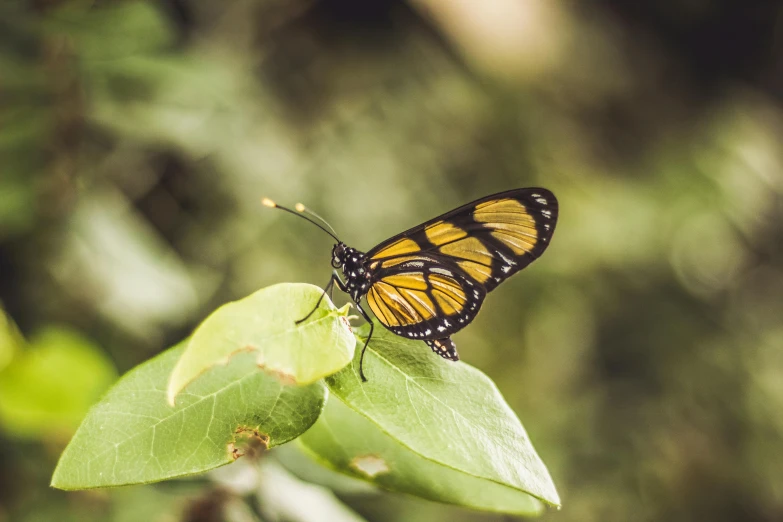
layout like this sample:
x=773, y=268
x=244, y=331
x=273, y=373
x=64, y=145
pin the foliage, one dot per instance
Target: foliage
x=431, y=428
x=466, y=446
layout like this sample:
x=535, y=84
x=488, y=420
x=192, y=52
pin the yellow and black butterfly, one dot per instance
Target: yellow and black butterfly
x=430, y=281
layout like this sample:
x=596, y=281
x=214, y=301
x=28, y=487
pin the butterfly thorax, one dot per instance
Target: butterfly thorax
x=352, y=262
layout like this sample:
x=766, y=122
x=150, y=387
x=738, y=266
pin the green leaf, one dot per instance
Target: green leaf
x=430, y=427
x=49, y=385
x=348, y=442
x=134, y=436
x=264, y=324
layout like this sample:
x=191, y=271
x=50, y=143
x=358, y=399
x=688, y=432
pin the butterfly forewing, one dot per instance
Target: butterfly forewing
x=430, y=281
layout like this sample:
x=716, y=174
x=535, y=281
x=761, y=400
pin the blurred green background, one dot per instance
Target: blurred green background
x=643, y=352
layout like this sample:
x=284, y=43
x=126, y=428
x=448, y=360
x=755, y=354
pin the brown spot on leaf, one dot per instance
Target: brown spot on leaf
x=281, y=375
x=227, y=359
x=346, y=321
x=248, y=442
x=370, y=465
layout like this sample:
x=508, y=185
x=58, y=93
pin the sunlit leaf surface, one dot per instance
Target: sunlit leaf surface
x=264, y=323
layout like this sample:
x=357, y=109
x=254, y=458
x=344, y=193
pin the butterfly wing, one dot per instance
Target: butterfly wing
x=430, y=281
x=424, y=298
x=490, y=239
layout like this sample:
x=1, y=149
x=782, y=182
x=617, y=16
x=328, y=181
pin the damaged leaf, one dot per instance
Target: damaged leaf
x=447, y=414
x=369, y=465
x=264, y=324
x=134, y=436
x=248, y=442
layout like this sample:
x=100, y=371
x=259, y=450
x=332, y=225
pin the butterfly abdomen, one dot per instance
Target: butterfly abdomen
x=445, y=348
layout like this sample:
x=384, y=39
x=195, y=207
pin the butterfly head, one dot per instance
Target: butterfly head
x=338, y=255
x=347, y=258
x=352, y=262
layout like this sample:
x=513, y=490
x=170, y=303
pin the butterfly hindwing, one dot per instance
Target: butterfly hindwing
x=424, y=298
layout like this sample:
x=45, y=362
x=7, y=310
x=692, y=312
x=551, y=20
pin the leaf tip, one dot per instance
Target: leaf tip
x=58, y=481
x=555, y=501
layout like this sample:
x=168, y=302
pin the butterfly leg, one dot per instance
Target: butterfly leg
x=369, y=336
x=328, y=289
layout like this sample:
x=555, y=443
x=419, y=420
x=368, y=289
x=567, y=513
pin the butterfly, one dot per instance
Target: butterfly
x=430, y=281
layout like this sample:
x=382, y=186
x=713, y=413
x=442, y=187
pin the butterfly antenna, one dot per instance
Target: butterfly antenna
x=271, y=204
x=301, y=208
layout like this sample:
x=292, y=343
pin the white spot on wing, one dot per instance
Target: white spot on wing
x=507, y=260
x=441, y=271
